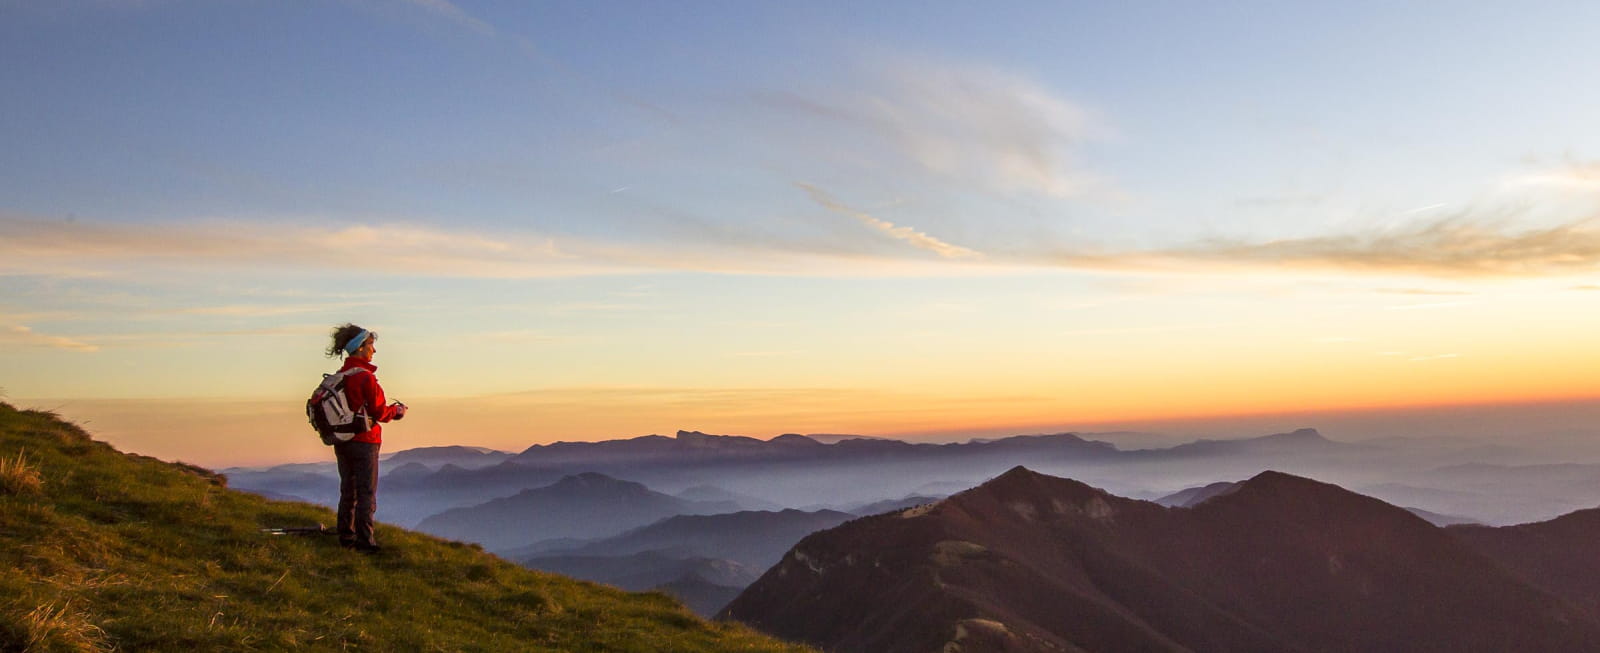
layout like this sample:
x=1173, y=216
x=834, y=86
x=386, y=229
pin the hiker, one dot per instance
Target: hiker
x=358, y=457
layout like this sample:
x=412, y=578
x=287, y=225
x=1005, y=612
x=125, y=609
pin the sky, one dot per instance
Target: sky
x=580, y=220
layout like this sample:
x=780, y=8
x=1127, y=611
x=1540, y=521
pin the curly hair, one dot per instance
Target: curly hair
x=343, y=334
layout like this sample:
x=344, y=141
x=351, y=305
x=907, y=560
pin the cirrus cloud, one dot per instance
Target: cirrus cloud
x=915, y=238
x=19, y=335
x=977, y=127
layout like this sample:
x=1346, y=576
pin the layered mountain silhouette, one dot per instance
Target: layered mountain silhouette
x=753, y=538
x=714, y=493
x=1195, y=495
x=786, y=471
x=890, y=505
x=709, y=558
x=459, y=456
x=694, y=447
x=1028, y=562
x=1298, y=441
x=579, y=506
x=700, y=595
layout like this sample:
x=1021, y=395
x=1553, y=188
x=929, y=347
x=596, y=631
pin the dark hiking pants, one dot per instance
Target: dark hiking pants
x=358, y=492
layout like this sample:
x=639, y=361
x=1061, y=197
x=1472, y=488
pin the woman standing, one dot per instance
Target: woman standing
x=358, y=457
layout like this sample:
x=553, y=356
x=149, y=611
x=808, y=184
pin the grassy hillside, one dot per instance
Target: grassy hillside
x=101, y=550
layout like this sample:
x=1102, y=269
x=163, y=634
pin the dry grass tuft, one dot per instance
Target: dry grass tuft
x=18, y=477
x=48, y=628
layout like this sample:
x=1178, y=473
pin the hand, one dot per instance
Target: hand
x=399, y=410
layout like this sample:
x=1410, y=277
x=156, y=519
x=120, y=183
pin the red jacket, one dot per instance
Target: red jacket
x=366, y=397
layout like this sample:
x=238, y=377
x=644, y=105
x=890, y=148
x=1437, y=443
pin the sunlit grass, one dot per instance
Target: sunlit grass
x=17, y=476
x=106, y=550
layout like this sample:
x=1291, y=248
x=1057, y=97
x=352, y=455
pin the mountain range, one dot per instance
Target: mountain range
x=1027, y=562
x=584, y=505
x=786, y=471
x=718, y=473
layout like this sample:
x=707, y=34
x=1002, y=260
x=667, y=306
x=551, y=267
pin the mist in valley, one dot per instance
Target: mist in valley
x=702, y=515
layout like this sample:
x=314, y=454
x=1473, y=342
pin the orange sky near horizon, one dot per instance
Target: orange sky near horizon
x=222, y=433
x=998, y=364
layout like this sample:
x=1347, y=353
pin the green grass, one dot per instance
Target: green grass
x=101, y=550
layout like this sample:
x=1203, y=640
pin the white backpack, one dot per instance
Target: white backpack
x=330, y=412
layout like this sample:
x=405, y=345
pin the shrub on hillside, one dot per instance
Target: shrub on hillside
x=19, y=477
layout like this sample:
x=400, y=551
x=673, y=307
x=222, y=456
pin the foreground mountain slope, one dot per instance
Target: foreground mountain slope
x=101, y=550
x=1028, y=562
x=1558, y=556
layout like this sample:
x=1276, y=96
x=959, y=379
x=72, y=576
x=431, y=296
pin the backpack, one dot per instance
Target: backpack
x=330, y=413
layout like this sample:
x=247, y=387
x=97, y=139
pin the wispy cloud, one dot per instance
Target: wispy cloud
x=1425, y=209
x=979, y=127
x=81, y=248
x=1466, y=245
x=913, y=237
x=448, y=10
x=103, y=249
x=1457, y=247
x=263, y=310
x=18, y=335
x=1435, y=357
x=1574, y=176
x=1450, y=247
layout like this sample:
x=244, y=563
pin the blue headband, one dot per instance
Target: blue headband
x=355, y=343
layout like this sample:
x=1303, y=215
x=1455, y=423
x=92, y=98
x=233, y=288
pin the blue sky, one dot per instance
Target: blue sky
x=951, y=200
x=1196, y=119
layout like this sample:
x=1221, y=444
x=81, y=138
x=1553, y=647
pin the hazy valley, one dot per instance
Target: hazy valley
x=703, y=516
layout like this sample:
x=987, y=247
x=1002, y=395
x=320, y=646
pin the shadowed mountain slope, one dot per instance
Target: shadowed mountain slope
x=1560, y=556
x=102, y=551
x=716, y=555
x=752, y=538
x=1195, y=495
x=1028, y=562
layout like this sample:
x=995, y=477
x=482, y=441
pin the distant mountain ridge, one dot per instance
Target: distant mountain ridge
x=1028, y=562
x=780, y=472
x=702, y=447
x=459, y=456
x=1298, y=440
x=580, y=506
